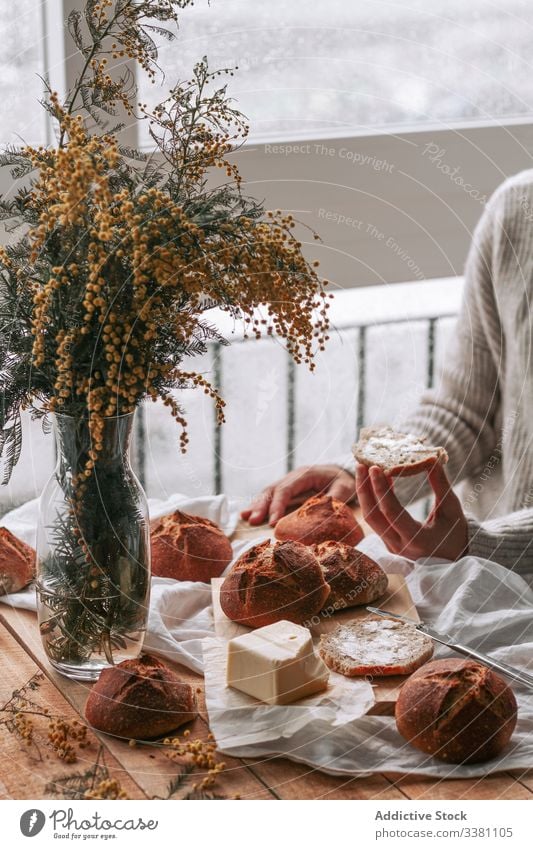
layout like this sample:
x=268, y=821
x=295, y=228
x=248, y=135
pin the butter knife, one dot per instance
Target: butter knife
x=445, y=639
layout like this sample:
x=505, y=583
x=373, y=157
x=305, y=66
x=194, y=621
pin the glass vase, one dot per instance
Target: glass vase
x=93, y=550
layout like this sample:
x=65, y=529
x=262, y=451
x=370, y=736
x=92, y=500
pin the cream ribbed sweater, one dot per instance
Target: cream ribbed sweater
x=482, y=407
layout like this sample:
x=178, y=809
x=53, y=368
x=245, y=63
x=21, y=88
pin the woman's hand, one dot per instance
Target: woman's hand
x=445, y=532
x=295, y=487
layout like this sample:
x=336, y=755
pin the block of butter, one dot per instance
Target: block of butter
x=276, y=664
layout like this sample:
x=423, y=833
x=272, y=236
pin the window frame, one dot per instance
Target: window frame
x=425, y=215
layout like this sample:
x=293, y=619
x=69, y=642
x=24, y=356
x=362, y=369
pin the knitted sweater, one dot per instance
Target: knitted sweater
x=482, y=407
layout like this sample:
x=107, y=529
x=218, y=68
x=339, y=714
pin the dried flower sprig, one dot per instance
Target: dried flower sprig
x=200, y=752
x=107, y=788
x=25, y=718
x=122, y=254
x=63, y=734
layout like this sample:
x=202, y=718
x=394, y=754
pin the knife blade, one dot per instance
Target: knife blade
x=446, y=640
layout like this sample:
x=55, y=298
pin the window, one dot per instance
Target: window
x=21, y=61
x=339, y=78
x=385, y=124
x=412, y=112
x=332, y=66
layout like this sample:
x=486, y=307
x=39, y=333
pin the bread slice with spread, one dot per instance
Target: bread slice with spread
x=397, y=453
x=375, y=647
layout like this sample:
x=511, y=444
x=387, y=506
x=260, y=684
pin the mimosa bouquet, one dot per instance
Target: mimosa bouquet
x=120, y=256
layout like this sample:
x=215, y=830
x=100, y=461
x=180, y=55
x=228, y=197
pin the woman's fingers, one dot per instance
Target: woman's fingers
x=295, y=483
x=273, y=501
x=371, y=511
x=343, y=487
x=281, y=499
x=444, y=535
x=397, y=516
x=439, y=481
x=446, y=501
x=258, y=509
x=295, y=487
x=367, y=499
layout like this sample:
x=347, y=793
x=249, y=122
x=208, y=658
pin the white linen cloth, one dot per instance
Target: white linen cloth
x=475, y=600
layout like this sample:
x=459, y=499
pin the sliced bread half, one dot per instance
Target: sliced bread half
x=396, y=453
x=375, y=647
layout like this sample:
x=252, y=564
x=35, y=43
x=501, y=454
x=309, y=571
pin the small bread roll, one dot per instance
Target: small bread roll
x=274, y=581
x=353, y=577
x=17, y=563
x=188, y=548
x=456, y=710
x=320, y=518
x=140, y=699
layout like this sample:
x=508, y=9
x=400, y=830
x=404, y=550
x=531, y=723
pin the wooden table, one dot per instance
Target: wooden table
x=35, y=771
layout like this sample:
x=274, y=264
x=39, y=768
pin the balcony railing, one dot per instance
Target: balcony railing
x=372, y=370
x=218, y=371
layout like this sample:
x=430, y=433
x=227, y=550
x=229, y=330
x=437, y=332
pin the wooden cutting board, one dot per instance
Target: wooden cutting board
x=397, y=599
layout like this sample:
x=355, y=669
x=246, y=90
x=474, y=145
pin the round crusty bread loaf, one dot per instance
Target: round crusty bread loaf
x=318, y=519
x=140, y=699
x=17, y=563
x=274, y=581
x=188, y=548
x=352, y=576
x=396, y=454
x=456, y=710
x=375, y=647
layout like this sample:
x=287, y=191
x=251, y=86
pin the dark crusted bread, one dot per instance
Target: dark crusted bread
x=353, y=577
x=140, y=699
x=457, y=710
x=375, y=646
x=17, y=563
x=318, y=519
x=188, y=548
x=396, y=453
x=274, y=581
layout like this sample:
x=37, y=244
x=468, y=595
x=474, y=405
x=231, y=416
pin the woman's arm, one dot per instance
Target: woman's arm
x=460, y=413
x=507, y=540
